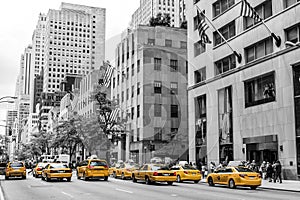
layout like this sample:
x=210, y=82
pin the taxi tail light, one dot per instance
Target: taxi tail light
x=174, y=174
x=52, y=171
x=243, y=175
x=105, y=167
x=186, y=172
x=155, y=173
x=90, y=167
x=38, y=169
x=68, y=171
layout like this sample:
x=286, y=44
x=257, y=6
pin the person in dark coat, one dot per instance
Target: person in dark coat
x=277, y=172
x=269, y=171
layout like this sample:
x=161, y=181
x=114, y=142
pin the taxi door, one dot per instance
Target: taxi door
x=217, y=176
x=143, y=172
x=82, y=167
x=226, y=175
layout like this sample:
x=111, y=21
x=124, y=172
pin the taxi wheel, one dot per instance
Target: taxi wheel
x=122, y=176
x=6, y=177
x=114, y=175
x=210, y=182
x=147, y=180
x=231, y=184
x=196, y=181
x=47, y=178
x=69, y=179
x=23, y=177
x=43, y=178
x=134, y=179
x=253, y=187
x=170, y=183
x=105, y=178
x=178, y=179
x=85, y=177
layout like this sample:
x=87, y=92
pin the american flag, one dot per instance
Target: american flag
x=114, y=114
x=108, y=74
x=202, y=27
x=248, y=11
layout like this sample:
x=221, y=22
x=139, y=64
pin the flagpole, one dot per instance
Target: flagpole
x=238, y=55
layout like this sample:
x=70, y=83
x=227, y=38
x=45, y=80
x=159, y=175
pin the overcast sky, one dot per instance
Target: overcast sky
x=18, y=19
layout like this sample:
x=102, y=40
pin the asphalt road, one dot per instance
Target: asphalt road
x=114, y=189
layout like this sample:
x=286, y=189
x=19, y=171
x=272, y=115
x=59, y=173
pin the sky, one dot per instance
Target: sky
x=18, y=19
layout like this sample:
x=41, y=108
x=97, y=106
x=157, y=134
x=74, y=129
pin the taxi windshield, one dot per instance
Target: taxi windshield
x=159, y=167
x=188, y=167
x=97, y=163
x=58, y=165
x=243, y=169
x=16, y=164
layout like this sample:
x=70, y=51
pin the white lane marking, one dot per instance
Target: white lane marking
x=174, y=195
x=124, y=191
x=67, y=194
x=1, y=194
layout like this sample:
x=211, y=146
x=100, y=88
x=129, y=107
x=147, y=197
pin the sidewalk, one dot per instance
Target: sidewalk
x=286, y=185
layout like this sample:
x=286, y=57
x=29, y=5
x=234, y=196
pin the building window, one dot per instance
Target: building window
x=157, y=87
x=138, y=66
x=174, y=65
x=200, y=75
x=122, y=96
x=132, y=112
x=127, y=93
x=138, y=111
x=199, y=48
x=157, y=134
x=228, y=31
x=157, y=110
x=260, y=90
x=114, y=82
x=183, y=45
x=132, y=91
x=173, y=88
x=221, y=6
x=173, y=132
x=225, y=64
x=132, y=70
x=293, y=34
x=168, y=43
x=174, y=111
x=127, y=73
x=151, y=41
x=259, y=50
x=157, y=64
x=264, y=10
x=288, y=3
x=138, y=88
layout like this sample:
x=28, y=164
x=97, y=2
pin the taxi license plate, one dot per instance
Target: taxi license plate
x=194, y=173
x=61, y=171
x=251, y=177
x=166, y=174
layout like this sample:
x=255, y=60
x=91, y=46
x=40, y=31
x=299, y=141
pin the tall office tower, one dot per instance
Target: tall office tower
x=150, y=8
x=38, y=56
x=10, y=118
x=150, y=83
x=37, y=92
x=74, y=43
x=246, y=109
x=27, y=67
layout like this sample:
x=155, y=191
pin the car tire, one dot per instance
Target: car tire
x=178, y=179
x=23, y=177
x=47, y=178
x=123, y=176
x=210, y=181
x=114, y=174
x=196, y=181
x=69, y=179
x=134, y=179
x=43, y=178
x=105, y=178
x=253, y=187
x=6, y=177
x=147, y=180
x=170, y=183
x=85, y=177
x=231, y=184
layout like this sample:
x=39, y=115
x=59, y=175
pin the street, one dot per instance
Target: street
x=32, y=188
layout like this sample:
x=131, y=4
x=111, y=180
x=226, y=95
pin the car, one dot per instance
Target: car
x=15, y=169
x=125, y=170
x=186, y=173
x=234, y=176
x=237, y=163
x=37, y=170
x=58, y=171
x=116, y=168
x=92, y=169
x=2, y=168
x=151, y=173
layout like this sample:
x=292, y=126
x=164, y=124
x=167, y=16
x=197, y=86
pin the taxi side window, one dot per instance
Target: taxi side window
x=220, y=171
x=145, y=167
x=175, y=168
x=228, y=170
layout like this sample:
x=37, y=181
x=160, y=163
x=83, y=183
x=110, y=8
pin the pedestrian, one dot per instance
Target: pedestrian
x=262, y=170
x=212, y=167
x=277, y=172
x=269, y=169
x=203, y=169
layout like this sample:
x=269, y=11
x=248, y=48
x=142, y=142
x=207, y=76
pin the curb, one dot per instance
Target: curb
x=278, y=189
x=1, y=192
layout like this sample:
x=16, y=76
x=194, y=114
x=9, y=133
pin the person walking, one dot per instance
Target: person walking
x=277, y=172
x=269, y=171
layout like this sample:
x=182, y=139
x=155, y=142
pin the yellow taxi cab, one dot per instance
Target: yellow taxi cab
x=116, y=169
x=111, y=169
x=92, y=168
x=151, y=173
x=15, y=169
x=56, y=171
x=125, y=170
x=37, y=170
x=186, y=173
x=234, y=176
